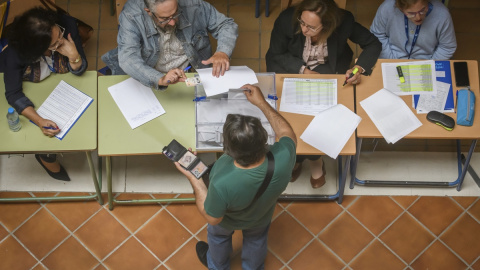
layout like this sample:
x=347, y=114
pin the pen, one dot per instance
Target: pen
x=400, y=74
x=49, y=128
x=187, y=68
x=355, y=70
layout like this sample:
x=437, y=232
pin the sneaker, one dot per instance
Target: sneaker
x=202, y=249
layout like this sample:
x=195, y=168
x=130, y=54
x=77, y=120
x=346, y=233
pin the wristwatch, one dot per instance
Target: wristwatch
x=76, y=60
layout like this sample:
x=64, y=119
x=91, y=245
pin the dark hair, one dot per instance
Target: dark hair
x=404, y=4
x=328, y=12
x=244, y=139
x=31, y=33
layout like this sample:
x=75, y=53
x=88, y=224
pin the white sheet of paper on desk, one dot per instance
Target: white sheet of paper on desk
x=427, y=103
x=235, y=77
x=330, y=130
x=308, y=96
x=391, y=115
x=136, y=101
x=419, y=78
x=64, y=106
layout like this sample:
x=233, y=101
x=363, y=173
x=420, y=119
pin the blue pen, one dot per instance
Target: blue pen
x=49, y=128
x=187, y=68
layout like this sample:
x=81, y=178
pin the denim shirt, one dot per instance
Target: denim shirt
x=139, y=49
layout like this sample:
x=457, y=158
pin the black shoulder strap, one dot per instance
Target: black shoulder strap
x=268, y=177
x=266, y=180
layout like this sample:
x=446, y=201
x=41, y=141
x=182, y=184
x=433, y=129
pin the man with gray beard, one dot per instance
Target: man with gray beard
x=158, y=39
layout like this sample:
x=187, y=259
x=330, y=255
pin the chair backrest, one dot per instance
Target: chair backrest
x=20, y=6
x=287, y=3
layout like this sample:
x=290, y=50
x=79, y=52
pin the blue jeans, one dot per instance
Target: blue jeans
x=254, y=248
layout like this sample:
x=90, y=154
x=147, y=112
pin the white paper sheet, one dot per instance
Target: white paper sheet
x=427, y=103
x=391, y=115
x=330, y=130
x=136, y=101
x=235, y=77
x=419, y=78
x=64, y=106
x=308, y=96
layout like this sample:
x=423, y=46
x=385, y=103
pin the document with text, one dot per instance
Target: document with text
x=330, y=130
x=308, y=96
x=419, y=78
x=234, y=78
x=391, y=115
x=64, y=106
x=427, y=103
x=136, y=101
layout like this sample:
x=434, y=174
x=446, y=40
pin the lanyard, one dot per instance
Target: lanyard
x=52, y=68
x=417, y=31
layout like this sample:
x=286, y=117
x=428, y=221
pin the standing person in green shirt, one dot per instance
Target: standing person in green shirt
x=235, y=179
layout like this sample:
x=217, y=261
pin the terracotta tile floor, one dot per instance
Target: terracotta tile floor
x=365, y=232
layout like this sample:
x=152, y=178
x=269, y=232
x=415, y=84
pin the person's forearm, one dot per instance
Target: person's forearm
x=32, y=115
x=200, y=193
x=279, y=124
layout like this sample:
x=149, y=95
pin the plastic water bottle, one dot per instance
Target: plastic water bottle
x=13, y=120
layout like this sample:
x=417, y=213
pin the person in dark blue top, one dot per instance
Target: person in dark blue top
x=40, y=42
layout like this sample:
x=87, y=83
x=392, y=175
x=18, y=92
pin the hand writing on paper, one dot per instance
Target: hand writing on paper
x=221, y=63
x=49, y=128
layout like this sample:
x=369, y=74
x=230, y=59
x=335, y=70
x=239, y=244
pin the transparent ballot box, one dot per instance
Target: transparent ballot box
x=211, y=112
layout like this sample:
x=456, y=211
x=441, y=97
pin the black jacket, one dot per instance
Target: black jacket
x=286, y=47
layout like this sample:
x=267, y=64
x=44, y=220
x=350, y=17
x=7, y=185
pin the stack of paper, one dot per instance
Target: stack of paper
x=136, y=101
x=390, y=115
x=330, y=130
x=64, y=106
x=419, y=78
x=235, y=77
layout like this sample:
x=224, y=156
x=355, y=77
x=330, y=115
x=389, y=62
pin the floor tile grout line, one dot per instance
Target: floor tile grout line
x=277, y=256
x=436, y=238
x=315, y=236
x=464, y=212
x=133, y=234
x=377, y=237
x=178, y=249
x=176, y=219
x=72, y=234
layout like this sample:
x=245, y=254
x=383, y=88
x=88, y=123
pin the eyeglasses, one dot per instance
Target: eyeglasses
x=55, y=45
x=167, y=19
x=310, y=28
x=413, y=14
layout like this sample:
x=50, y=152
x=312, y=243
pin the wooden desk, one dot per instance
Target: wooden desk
x=82, y=136
x=117, y=138
x=299, y=123
x=367, y=129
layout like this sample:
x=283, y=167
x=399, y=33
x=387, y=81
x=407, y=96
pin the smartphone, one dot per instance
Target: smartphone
x=461, y=74
x=177, y=152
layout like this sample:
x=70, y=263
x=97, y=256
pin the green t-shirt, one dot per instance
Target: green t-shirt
x=232, y=189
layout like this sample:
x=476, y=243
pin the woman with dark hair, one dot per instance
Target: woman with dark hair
x=40, y=41
x=311, y=38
